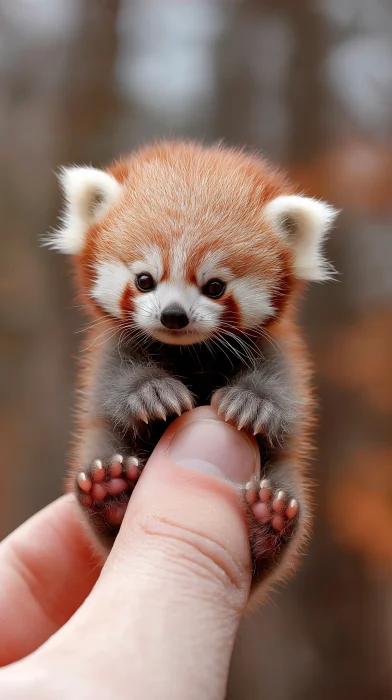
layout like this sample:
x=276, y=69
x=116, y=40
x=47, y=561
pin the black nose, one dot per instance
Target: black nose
x=174, y=317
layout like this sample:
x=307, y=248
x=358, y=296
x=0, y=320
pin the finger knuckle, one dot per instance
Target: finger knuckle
x=192, y=552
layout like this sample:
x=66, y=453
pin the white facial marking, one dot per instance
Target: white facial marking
x=150, y=261
x=253, y=299
x=211, y=267
x=178, y=258
x=111, y=280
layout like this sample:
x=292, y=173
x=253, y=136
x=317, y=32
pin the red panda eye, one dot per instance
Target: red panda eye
x=144, y=282
x=213, y=289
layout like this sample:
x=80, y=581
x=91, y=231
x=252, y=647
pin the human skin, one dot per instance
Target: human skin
x=158, y=619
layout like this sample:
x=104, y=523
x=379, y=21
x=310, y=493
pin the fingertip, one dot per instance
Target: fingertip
x=203, y=441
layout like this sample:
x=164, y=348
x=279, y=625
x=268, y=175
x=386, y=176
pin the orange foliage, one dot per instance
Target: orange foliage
x=361, y=506
x=355, y=175
x=360, y=358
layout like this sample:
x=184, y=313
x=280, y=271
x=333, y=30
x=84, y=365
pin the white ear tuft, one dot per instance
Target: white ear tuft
x=304, y=222
x=88, y=193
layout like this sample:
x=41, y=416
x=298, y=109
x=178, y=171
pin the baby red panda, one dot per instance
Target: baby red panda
x=190, y=260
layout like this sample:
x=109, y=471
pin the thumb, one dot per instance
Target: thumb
x=184, y=524
x=166, y=608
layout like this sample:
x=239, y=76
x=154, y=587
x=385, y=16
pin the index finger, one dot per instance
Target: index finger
x=47, y=568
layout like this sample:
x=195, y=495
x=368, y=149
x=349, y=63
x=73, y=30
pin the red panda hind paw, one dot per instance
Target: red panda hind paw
x=104, y=489
x=271, y=506
x=273, y=516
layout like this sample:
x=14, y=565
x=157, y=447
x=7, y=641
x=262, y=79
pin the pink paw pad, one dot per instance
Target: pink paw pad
x=273, y=506
x=108, y=486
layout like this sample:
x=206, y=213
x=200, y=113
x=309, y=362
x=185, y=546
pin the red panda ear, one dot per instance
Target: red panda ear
x=304, y=222
x=88, y=193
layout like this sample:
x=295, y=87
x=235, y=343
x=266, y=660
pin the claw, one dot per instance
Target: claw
x=292, y=509
x=230, y=413
x=241, y=423
x=132, y=461
x=84, y=482
x=132, y=468
x=258, y=428
x=177, y=408
x=160, y=411
x=98, y=471
x=250, y=493
x=217, y=405
x=188, y=404
x=265, y=493
x=116, y=466
x=143, y=417
x=278, y=503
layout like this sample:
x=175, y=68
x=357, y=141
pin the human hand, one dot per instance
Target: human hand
x=159, y=619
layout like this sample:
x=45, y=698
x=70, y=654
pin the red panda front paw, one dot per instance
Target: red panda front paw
x=104, y=489
x=246, y=409
x=158, y=398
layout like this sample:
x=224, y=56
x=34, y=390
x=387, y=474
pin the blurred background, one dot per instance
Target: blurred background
x=308, y=83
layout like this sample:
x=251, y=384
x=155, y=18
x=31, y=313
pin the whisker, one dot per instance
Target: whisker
x=104, y=339
x=221, y=344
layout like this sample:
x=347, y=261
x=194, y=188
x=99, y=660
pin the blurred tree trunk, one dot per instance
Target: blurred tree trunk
x=62, y=122
x=306, y=89
x=335, y=588
x=90, y=102
x=306, y=649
